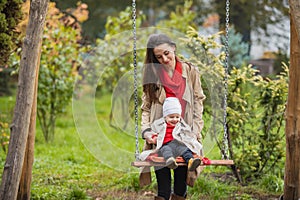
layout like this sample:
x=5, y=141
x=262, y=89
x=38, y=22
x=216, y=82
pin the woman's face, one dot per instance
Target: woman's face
x=165, y=54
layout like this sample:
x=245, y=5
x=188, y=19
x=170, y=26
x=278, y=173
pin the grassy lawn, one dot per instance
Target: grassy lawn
x=93, y=162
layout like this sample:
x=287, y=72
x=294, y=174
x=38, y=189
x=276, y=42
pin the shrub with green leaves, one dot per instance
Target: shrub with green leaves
x=60, y=58
x=255, y=109
x=181, y=19
x=4, y=135
x=6, y=110
x=256, y=121
x=10, y=14
x=114, y=54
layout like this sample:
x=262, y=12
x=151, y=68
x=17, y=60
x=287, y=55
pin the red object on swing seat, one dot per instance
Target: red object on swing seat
x=159, y=161
x=155, y=160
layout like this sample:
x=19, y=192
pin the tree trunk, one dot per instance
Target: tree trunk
x=292, y=130
x=25, y=182
x=25, y=97
x=295, y=14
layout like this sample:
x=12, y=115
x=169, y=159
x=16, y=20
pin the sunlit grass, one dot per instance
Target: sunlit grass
x=73, y=167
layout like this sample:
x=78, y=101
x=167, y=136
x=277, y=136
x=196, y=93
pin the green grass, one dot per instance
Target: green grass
x=85, y=163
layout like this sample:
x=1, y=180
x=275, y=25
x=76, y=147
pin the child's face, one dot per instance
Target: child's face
x=172, y=119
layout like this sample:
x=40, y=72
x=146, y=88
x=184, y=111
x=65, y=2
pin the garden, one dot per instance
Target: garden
x=84, y=139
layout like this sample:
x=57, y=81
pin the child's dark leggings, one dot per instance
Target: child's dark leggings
x=174, y=149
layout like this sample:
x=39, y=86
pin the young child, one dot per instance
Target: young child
x=173, y=136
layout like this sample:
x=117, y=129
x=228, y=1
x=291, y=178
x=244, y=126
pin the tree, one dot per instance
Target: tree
x=25, y=98
x=10, y=14
x=292, y=168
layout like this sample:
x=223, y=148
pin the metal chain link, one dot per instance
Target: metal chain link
x=225, y=137
x=137, y=152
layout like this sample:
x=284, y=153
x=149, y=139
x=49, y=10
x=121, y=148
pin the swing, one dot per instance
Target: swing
x=153, y=159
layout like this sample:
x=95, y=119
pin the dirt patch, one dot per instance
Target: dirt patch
x=122, y=195
x=148, y=195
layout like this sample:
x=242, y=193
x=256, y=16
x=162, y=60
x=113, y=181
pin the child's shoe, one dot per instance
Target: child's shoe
x=171, y=163
x=193, y=164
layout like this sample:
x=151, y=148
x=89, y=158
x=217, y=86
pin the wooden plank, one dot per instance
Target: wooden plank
x=149, y=163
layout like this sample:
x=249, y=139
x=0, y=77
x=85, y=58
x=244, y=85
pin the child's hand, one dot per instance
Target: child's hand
x=154, y=138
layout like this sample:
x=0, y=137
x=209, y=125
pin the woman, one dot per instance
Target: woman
x=165, y=76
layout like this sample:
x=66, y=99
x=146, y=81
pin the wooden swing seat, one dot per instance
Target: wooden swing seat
x=154, y=160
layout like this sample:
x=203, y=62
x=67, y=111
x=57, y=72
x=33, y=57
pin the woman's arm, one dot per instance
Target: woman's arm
x=199, y=97
x=147, y=133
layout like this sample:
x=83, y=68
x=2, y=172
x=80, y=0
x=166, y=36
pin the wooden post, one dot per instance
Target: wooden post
x=25, y=97
x=26, y=177
x=292, y=131
x=295, y=14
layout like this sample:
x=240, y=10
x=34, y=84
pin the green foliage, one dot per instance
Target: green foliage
x=131, y=180
x=206, y=186
x=4, y=135
x=58, y=65
x=272, y=182
x=280, y=58
x=255, y=109
x=5, y=81
x=112, y=57
x=258, y=147
x=181, y=19
x=211, y=70
x=10, y=15
x=78, y=194
x=122, y=22
x=6, y=108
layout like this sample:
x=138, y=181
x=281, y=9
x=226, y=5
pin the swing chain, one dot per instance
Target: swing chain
x=137, y=152
x=225, y=137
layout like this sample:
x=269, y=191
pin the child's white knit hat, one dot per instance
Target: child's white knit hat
x=171, y=106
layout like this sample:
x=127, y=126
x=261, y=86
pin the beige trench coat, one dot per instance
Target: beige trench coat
x=194, y=97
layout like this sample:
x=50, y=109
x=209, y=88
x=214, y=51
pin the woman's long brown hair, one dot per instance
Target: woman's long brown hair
x=151, y=64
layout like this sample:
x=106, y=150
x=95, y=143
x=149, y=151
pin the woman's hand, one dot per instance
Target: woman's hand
x=150, y=137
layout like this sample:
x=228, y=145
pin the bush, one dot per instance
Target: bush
x=10, y=15
x=58, y=68
x=6, y=107
x=255, y=110
x=4, y=135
